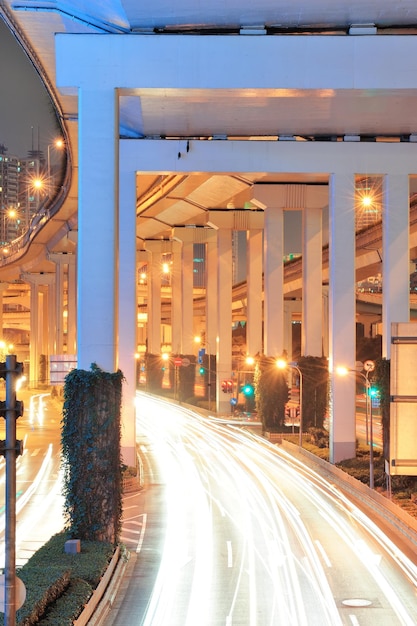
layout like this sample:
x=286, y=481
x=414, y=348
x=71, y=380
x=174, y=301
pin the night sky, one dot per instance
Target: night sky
x=26, y=112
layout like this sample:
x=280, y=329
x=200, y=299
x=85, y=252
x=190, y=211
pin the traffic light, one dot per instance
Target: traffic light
x=229, y=386
x=248, y=389
x=224, y=386
x=202, y=370
x=373, y=391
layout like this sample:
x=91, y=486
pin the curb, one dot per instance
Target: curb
x=104, y=595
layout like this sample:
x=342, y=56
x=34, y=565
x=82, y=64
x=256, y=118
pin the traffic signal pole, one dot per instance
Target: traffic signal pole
x=10, y=410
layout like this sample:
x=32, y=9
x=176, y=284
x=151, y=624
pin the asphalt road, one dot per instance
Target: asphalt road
x=39, y=504
x=231, y=531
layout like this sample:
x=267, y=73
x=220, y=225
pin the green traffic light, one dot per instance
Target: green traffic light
x=202, y=370
x=247, y=390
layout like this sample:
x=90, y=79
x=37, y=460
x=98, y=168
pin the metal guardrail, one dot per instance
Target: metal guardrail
x=369, y=500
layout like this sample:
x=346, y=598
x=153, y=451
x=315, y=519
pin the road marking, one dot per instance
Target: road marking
x=323, y=553
x=229, y=554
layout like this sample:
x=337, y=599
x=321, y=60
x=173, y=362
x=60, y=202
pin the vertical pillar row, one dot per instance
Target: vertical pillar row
x=36, y=281
x=64, y=302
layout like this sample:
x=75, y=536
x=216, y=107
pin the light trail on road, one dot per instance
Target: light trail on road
x=39, y=500
x=256, y=538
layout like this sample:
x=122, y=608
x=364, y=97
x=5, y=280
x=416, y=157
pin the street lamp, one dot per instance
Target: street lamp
x=283, y=364
x=58, y=145
x=369, y=367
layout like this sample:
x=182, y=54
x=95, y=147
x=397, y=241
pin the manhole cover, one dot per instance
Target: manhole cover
x=356, y=602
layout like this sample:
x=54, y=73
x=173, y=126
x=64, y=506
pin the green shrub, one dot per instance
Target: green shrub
x=58, y=585
x=68, y=607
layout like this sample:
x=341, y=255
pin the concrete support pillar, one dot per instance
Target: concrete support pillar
x=395, y=255
x=212, y=296
x=223, y=222
x=127, y=321
x=176, y=297
x=154, y=296
x=187, y=332
x=224, y=316
x=65, y=301
x=52, y=317
x=143, y=258
x=72, y=306
x=342, y=324
x=3, y=288
x=267, y=197
x=316, y=197
x=254, y=263
x=98, y=135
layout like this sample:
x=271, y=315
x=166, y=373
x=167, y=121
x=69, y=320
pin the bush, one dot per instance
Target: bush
x=58, y=585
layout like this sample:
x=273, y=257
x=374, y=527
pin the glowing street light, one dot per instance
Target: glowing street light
x=58, y=145
x=283, y=364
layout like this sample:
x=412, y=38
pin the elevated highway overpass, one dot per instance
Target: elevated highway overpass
x=180, y=120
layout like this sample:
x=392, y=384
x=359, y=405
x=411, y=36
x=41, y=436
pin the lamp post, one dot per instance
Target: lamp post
x=369, y=367
x=283, y=364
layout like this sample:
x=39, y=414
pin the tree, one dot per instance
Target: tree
x=92, y=467
x=315, y=390
x=271, y=393
x=381, y=381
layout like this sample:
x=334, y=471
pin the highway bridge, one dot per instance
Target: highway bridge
x=171, y=129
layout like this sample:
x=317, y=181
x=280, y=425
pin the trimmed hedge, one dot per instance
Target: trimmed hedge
x=58, y=585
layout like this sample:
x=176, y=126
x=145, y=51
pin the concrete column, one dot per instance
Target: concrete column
x=325, y=324
x=59, y=303
x=254, y=241
x=212, y=296
x=154, y=296
x=98, y=134
x=270, y=199
x=342, y=320
x=52, y=317
x=127, y=321
x=72, y=306
x=143, y=257
x=224, y=316
x=3, y=288
x=316, y=197
x=64, y=304
x=395, y=256
x=187, y=344
x=176, y=297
